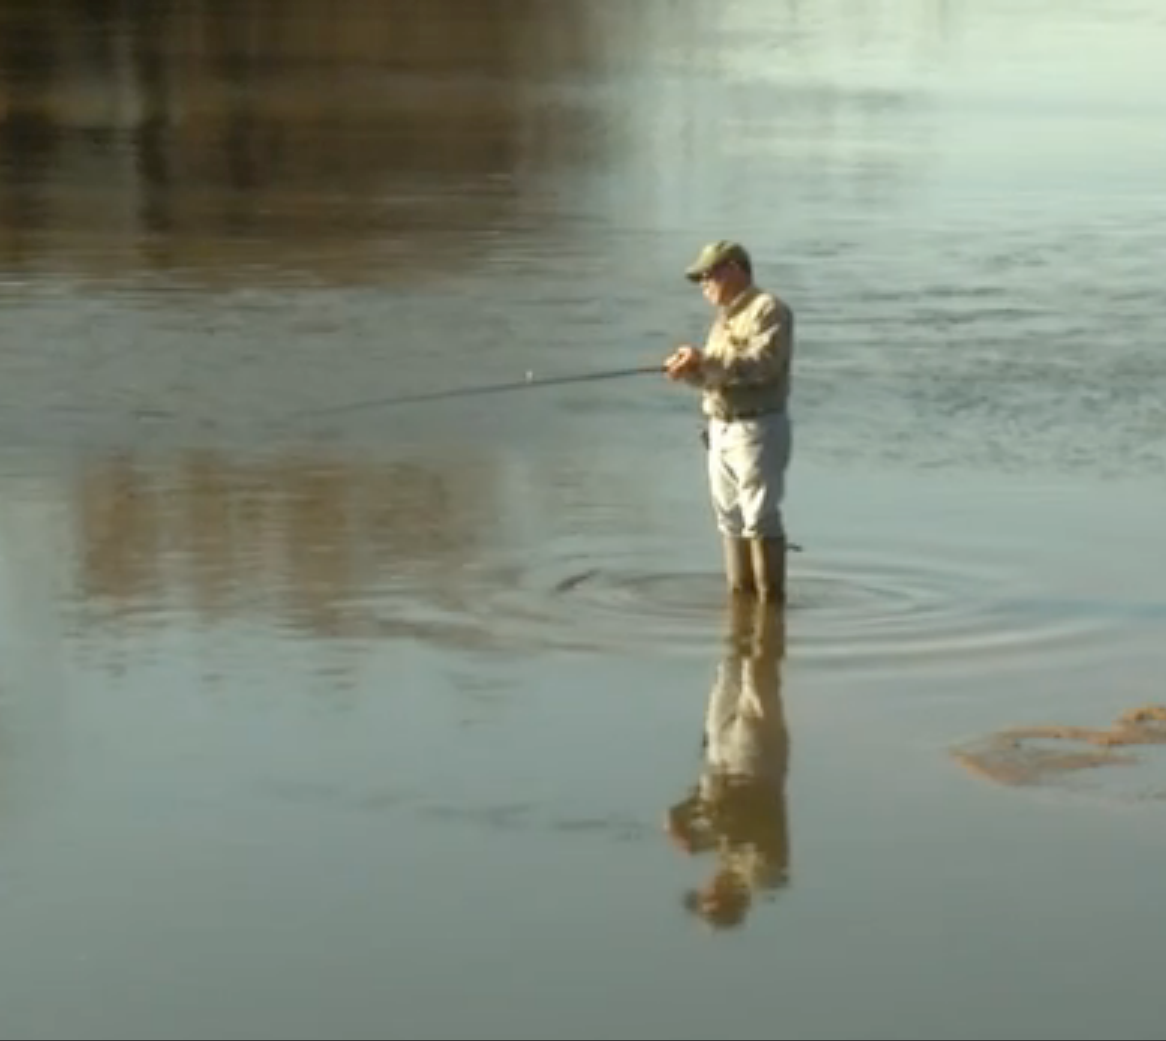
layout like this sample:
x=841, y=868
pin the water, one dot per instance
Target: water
x=328, y=724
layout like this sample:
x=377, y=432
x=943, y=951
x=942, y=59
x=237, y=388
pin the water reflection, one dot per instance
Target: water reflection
x=333, y=142
x=737, y=809
x=178, y=136
x=301, y=541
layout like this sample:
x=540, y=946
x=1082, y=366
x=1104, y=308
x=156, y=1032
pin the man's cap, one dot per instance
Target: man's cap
x=713, y=255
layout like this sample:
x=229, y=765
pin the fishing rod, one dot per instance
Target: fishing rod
x=529, y=382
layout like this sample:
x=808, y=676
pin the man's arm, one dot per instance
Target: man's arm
x=763, y=358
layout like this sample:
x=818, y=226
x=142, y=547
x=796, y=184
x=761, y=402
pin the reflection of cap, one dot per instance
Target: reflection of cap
x=715, y=254
x=722, y=905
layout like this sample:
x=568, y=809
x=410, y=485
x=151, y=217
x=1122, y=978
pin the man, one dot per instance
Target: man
x=744, y=375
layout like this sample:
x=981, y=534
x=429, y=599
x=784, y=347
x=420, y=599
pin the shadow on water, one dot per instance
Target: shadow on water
x=737, y=809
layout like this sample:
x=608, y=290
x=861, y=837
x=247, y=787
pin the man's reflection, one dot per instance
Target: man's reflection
x=737, y=809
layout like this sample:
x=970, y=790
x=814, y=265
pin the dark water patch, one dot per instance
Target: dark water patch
x=229, y=144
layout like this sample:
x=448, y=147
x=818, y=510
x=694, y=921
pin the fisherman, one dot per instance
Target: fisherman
x=744, y=375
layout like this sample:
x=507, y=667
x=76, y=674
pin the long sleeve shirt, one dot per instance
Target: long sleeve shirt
x=747, y=357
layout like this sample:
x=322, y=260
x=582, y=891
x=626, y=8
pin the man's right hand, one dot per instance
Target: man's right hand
x=683, y=362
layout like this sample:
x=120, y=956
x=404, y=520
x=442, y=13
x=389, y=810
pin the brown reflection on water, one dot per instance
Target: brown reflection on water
x=737, y=810
x=1044, y=755
x=174, y=135
x=303, y=542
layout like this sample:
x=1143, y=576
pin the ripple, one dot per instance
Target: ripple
x=844, y=609
x=867, y=610
x=582, y=604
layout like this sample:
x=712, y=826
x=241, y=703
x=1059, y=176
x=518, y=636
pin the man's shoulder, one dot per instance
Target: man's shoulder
x=767, y=305
x=774, y=300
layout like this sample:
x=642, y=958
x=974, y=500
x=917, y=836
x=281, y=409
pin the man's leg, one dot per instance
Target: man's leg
x=727, y=509
x=768, y=556
x=761, y=459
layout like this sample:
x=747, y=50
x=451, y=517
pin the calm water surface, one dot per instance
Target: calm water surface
x=388, y=722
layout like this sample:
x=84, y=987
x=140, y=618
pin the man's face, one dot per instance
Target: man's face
x=722, y=284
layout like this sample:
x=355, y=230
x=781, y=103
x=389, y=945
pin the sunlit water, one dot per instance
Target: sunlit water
x=331, y=722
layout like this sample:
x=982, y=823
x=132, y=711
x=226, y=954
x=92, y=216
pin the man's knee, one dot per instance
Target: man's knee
x=761, y=512
x=726, y=504
x=762, y=518
x=729, y=519
x=731, y=529
x=769, y=526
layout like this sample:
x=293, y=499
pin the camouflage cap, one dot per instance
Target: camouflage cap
x=715, y=254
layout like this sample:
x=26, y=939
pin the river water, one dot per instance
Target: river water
x=319, y=722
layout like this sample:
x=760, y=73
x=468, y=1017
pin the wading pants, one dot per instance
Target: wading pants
x=747, y=463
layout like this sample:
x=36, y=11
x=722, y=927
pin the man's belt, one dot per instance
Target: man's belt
x=747, y=414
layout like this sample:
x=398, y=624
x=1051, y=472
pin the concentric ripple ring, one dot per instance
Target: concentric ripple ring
x=843, y=609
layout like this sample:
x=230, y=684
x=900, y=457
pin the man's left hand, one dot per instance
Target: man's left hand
x=684, y=361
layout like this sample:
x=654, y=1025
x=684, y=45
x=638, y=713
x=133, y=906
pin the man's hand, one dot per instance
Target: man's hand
x=684, y=361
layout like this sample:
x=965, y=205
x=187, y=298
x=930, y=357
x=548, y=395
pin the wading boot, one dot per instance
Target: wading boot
x=739, y=567
x=769, y=569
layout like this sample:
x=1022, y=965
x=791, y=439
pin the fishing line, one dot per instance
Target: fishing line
x=530, y=382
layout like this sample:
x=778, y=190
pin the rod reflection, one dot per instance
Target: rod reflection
x=737, y=809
